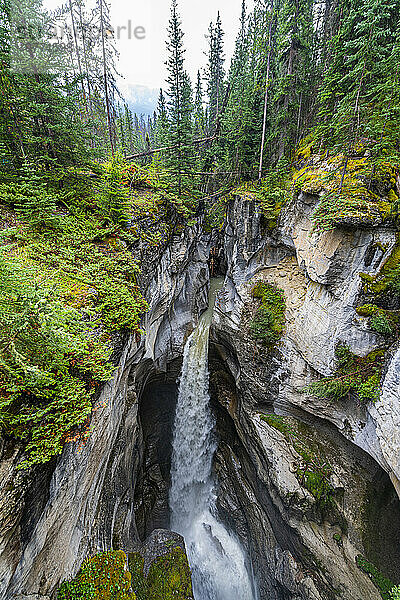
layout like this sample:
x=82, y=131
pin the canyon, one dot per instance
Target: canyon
x=113, y=491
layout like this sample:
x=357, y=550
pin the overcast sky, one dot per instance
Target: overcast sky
x=142, y=61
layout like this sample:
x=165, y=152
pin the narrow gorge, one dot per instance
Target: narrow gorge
x=200, y=300
x=299, y=540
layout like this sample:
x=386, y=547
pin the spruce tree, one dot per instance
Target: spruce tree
x=199, y=116
x=180, y=102
x=162, y=125
x=215, y=73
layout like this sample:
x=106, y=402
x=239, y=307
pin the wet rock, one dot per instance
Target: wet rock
x=260, y=495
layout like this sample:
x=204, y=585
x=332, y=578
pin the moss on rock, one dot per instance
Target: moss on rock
x=312, y=471
x=353, y=190
x=168, y=578
x=104, y=577
x=354, y=375
x=382, y=583
x=269, y=321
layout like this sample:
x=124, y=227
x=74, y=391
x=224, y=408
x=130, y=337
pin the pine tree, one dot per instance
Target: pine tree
x=180, y=102
x=199, y=116
x=215, y=73
x=162, y=125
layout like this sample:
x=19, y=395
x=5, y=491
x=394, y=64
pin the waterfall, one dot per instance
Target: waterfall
x=216, y=558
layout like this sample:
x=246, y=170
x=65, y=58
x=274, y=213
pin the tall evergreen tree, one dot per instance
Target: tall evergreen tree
x=162, y=125
x=215, y=73
x=199, y=116
x=180, y=101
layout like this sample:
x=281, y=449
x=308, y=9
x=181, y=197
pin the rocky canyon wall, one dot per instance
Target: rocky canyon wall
x=112, y=491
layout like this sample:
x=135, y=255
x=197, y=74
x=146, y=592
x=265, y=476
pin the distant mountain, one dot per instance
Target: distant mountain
x=140, y=99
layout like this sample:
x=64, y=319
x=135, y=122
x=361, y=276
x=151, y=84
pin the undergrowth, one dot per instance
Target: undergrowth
x=313, y=472
x=382, y=583
x=351, y=188
x=102, y=577
x=354, y=375
x=268, y=323
x=70, y=249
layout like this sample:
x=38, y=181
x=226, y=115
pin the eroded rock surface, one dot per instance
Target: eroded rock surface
x=311, y=553
x=113, y=491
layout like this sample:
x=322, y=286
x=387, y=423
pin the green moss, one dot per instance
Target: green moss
x=313, y=472
x=395, y=593
x=382, y=583
x=102, y=577
x=105, y=577
x=358, y=198
x=388, y=279
x=139, y=583
x=269, y=321
x=367, y=310
x=169, y=577
x=382, y=321
x=354, y=374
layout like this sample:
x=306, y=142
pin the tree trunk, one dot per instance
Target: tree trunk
x=106, y=91
x=265, y=100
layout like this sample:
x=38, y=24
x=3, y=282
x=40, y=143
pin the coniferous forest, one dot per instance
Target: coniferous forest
x=92, y=195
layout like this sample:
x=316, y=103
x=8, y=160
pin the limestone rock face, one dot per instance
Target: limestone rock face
x=113, y=491
x=320, y=275
x=311, y=554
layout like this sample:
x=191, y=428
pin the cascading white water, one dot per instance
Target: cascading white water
x=216, y=558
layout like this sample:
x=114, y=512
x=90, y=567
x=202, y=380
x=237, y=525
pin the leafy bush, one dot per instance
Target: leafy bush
x=354, y=374
x=381, y=324
x=269, y=321
x=50, y=365
x=102, y=577
x=382, y=321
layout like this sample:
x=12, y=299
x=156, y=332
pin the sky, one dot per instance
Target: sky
x=142, y=60
x=141, y=31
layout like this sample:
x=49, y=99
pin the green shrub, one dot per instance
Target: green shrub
x=50, y=365
x=381, y=321
x=395, y=593
x=269, y=321
x=381, y=324
x=274, y=193
x=382, y=583
x=103, y=577
x=113, y=198
x=354, y=374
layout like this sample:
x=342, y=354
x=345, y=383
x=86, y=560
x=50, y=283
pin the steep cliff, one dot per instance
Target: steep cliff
x=301, y=546
x=53, y=517
x=306, y=482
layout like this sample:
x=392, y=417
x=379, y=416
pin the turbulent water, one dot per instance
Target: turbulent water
x=217, y=560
